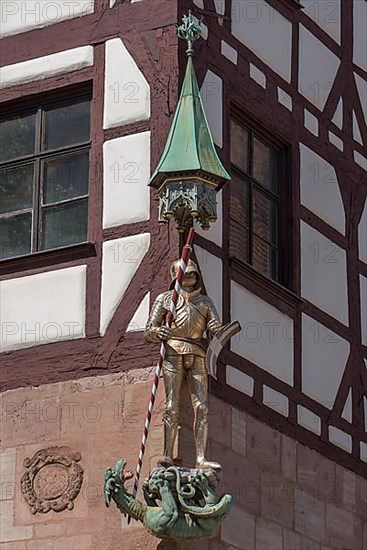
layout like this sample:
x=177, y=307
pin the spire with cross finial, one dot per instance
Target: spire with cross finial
x=190, y=171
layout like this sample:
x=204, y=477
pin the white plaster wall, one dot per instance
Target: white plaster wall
x=266, y=337
x=42, y=308
x=363, y=287
x=356, y=131
x=214, y=234
x=212, y=96
x=324, y=357
x=362, y=90
x=363, y=447
x=317, y=68
x=285, y=99
x=308, y=419
x=320, y=191
x=257, y=75
x=326, y=14
x=360, y=160
x=229, y=52
x=239, y=380
x=362, y=232
x=338, y=114
x=266, y=32
x=23, y=15
x=347, y=411
x=140, y=317
x=45, y=67
x=324, y=273
x=276, y=401
x=127, y=93
x=212, y=274
x=336, y=141
x=340, y=438
x=121, y=259
x=311, y=123
x=220, y=6
x=360, y=34
x=126, y=171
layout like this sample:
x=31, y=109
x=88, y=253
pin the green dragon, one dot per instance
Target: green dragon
x=174, y=497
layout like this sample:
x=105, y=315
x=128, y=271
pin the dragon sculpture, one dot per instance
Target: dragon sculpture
x=181, y=503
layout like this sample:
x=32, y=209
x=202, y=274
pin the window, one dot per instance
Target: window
x=44, y=176
x=255, y=202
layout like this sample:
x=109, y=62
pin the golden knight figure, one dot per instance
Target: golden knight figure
x=185, y=357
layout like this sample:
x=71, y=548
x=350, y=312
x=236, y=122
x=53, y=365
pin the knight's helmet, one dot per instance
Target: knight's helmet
x=191, y=268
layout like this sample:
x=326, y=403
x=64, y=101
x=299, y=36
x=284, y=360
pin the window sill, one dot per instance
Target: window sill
x=47, y=258
x=281, y=297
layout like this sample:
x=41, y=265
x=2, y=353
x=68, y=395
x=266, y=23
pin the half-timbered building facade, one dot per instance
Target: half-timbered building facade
x=88, y=92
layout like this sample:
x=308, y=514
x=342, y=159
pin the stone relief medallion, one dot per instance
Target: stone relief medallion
x=52, y=479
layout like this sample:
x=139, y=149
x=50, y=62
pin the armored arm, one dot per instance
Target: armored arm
x=155, y=321
x=213, y=321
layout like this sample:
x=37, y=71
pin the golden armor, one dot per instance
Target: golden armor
x=185, y=357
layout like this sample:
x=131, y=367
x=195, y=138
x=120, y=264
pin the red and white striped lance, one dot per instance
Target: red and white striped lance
x=176, y=293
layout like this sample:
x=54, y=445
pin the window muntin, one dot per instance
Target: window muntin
x=255, y=201
x=44, y=175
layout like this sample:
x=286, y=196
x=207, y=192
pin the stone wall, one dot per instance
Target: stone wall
x=287, y=497
x=102, y=418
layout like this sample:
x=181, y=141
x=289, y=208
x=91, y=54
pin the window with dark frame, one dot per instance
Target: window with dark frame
x=44, y=177
x=255, y=201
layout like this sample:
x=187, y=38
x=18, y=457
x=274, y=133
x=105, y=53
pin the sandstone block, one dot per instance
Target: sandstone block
x=80, y=542
x=310, y=517
x=339, y=527
x=361, y=497
x=291, y=540
x=239, y=431
x=277, y=499
x=7, y=473
x=241, y=477
x=268, y=536
x=288, y=458
x=308, y=544
x=263, y=445
x=28, y=420
x=92, y=412
x=239, y=529
x=9, y=531
x=220, y=421
x=316, y=474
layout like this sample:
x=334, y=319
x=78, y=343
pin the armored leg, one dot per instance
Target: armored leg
x=173, y=375
x=198, y=385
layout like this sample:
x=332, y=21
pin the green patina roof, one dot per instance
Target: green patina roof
x=189, y=145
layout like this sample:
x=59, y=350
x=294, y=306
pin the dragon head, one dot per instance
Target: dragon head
x=125, y=475
x=115, y=479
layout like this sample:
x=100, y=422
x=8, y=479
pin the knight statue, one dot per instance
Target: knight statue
x=185, y=357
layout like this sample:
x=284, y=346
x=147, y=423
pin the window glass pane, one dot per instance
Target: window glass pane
x=64, y=225
x=17, y=136
x=265, y=165
x=264, y=257
x=66, y=178
x=239, y=146
x=239, y=241
x=239, y=200
x=16, y=188
x=67, y=125
x=264, y=217
x=15, y=236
